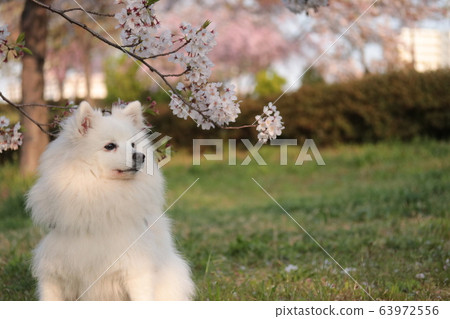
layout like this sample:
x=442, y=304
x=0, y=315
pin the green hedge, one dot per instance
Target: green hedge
x=394, y=106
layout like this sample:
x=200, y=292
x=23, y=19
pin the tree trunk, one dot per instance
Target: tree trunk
x=363, y=60
x=61, y=89
x=85, y=44
x=34, y=24
x=87, y=68
x=412, y=37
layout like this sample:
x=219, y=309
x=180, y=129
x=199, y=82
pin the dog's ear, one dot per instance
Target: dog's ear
x=134, y=111
x=84, y=116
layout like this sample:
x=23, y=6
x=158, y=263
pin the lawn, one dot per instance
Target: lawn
x=381, y=211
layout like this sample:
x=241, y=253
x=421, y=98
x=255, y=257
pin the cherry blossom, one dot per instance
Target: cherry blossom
x=270, y=124
x=10, y=138
x=208, y=104
x=4, y=121
x=211, y=103
x=140, y=29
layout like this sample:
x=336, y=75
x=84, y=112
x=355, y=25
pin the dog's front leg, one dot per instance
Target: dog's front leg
x=140, y=286
x=50, y=290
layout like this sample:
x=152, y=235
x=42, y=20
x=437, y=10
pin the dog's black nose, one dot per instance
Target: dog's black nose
x=138, y=157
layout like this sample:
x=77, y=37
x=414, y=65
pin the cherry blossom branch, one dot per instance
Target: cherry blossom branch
x=169, y=53
x=38, y=105
x=177, y=75
x=237, y=127
x=19, y=107
x=109, y=15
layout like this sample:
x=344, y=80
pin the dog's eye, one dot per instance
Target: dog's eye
x=132, y=145
x=110, y=146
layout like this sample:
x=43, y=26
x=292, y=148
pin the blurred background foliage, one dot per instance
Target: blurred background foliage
x=268, y=82
x=124, y=81
x=121, y=80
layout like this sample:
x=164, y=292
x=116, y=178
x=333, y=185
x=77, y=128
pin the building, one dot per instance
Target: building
x=428, y=49
x=74, y=86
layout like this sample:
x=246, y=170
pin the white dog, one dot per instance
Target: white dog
x=95, y=207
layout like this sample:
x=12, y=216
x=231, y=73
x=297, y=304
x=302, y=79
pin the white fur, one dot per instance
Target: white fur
x=94, y=212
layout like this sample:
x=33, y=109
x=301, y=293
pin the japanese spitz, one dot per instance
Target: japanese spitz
x=107, y=236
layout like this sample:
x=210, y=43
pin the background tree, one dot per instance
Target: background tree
x=249, y=36
x=379, y=28
x=34, y=24
x=269, y=82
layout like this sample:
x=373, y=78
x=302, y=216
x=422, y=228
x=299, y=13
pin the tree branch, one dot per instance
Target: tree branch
x=237, y=127
x=176, y=75
x=117, y=46
x=169, y=53
x=109, y=15
x=19, y=107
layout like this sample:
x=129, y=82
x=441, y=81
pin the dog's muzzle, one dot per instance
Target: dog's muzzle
x=138, y=160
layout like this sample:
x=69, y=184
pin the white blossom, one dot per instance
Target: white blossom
x=270, y=124
x=140, y=29
x=420, y=276
x=10, y=138
x=210, y=104
x=4, y=33
x=4, y=121
x=177, y=106
x=180, y=86
x=290, y=268
x=194, y=55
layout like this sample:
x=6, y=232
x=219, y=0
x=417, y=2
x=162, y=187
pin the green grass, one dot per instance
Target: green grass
x=380, y=210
